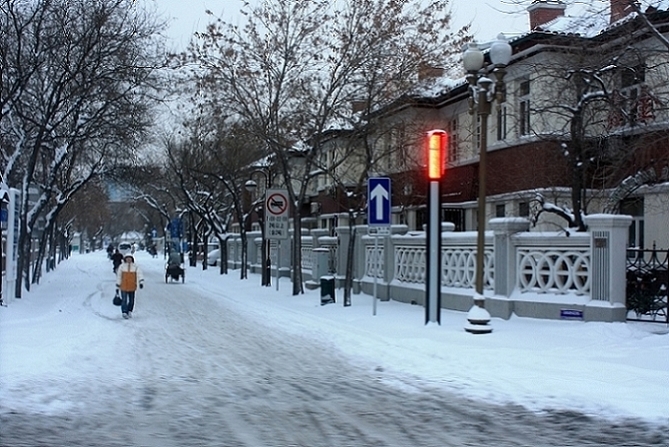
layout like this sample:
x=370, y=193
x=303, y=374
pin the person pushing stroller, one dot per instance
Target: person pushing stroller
x=174, y=268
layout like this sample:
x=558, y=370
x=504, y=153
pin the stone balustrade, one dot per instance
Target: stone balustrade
x=532, y=274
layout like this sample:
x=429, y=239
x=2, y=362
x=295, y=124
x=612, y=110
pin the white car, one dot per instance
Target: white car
x=125, y=248
x=213, y=257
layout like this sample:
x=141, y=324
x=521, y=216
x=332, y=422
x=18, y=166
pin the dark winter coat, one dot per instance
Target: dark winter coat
x=117, y=259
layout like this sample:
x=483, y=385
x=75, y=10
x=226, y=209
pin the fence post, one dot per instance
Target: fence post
x=608, y=243
x=343, y=236
x=359, y=252
x=252, y=251
x=238, y=252
x=388, y=246
x=505, y=263
x=505, y=252
x=317, y=233
x=232, y=251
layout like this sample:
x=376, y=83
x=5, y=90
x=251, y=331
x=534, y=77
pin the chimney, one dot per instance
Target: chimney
x=620, y=9
x=427, y=71
x=358, y=106
x=543, y=11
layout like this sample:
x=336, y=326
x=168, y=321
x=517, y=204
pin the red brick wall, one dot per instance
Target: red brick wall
x=539, y=16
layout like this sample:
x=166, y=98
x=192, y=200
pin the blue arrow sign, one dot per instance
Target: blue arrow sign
x=378, y=201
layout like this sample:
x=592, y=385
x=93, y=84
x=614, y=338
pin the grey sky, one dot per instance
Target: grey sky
x=488, y=17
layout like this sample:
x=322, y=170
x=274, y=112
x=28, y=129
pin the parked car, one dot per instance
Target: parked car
x=125, y=248
x=213, y=257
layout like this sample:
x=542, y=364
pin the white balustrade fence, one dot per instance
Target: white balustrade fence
x=554, y=270
x=542, y=275
x=332, y=245
x=374, y=261
x=307, y=252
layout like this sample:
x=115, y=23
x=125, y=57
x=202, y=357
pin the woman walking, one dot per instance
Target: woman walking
x=128, y=278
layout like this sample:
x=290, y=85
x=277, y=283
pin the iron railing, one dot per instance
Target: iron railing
x=647, y=285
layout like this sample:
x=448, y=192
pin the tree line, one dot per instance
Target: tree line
x=293, y=91
x=78, y=79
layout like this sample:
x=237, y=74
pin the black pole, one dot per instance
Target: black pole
x=264, y=276
x=266, y=264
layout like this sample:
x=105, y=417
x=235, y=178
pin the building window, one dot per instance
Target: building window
x=524, y=108
x=500, y=210
x=524, y=209
x=399, y=147
x=456, y=216
x=452, y=129
x=633, y=102
x=501, y=123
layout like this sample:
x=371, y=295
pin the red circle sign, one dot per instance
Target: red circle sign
x=277, y=204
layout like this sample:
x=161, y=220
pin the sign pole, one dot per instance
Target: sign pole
x=278, y=257
x=379, y=206
x=276, y=223
x=376, y=268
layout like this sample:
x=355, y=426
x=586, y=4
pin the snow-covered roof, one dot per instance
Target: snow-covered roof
x=589, y=24
x=437, y=86
x=585, y=24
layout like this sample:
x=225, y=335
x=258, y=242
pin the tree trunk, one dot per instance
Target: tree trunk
x=205, y=248
x=350, y=252
x=223, y=255
x=243, y=270
x=577, y=162
x=192, y=259
x=296, y=257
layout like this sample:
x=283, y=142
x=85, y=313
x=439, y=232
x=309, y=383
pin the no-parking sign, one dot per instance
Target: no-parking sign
x=276, y=210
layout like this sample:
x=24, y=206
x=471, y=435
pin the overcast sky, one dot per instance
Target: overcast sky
x=488, y=17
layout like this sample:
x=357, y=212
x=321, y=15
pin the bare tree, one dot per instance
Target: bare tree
x=294, y=70
x=76, y=90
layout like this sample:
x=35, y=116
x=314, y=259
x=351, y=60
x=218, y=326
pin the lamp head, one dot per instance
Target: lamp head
x=250, y=185
x=500, y=51
x=472, y=58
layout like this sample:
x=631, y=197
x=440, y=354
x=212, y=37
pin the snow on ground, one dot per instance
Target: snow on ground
x=612, y=370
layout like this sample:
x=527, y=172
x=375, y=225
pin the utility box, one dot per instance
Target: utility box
x=327, y=290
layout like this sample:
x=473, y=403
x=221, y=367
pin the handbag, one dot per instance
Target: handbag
x=117, y=299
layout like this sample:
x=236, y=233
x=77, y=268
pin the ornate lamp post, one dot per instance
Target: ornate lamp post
x=251, y=186
x=483, y=92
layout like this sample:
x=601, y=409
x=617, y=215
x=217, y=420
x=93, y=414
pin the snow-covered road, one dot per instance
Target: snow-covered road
x=192, y=369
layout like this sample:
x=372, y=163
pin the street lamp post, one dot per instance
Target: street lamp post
x=266, y=267
x=483, y=92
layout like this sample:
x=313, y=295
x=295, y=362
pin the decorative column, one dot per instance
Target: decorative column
x=343, y=236
x=608, y=246
x=505, y=262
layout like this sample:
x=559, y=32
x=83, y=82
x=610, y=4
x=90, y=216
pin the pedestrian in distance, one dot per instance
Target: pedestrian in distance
x=117, y=259
x=128, y=278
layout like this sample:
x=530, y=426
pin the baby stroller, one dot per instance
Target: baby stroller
x=174, y=268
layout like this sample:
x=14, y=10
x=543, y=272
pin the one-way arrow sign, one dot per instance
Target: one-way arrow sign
x=378, y=201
